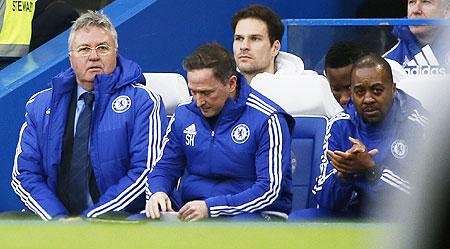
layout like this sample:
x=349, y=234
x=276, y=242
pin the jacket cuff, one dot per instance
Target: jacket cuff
x=215, y=201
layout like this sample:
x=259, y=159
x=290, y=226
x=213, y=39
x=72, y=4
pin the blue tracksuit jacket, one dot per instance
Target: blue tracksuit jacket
x=125, y=139
x=242, y=166
x=398, y=139
x=415, y=59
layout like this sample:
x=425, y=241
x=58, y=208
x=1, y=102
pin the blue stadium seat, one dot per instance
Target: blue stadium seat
x=307, y=150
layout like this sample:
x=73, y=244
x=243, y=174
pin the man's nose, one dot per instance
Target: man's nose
x=245, y=44
x=199, y=100
x=368, y=98
x=93, y=55
x=417, y=8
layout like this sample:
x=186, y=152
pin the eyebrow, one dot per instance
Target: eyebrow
x=254, y=35
x=87, y=45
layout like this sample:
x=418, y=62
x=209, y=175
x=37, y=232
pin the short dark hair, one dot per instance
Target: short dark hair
x=373, y=60
x=344, y=53
x=274, y=25
x=214, y=56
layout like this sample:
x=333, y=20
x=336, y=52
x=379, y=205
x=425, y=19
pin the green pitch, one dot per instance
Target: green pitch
x=82, y=234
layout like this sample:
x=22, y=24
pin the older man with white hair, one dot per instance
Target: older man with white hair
x=423, y=49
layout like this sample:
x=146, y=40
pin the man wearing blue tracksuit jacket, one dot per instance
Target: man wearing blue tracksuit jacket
x=423, y=49
x=125, y=132
x=417, y=59
x=231, y=143
x=372, y=145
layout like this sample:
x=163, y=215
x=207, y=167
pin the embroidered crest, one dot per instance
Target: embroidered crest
x=240, y=133
x=121, y=104
x=399, y=149
x=190, y=134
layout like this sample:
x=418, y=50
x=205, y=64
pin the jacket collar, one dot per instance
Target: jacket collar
x=126, y=72
x=232, y=108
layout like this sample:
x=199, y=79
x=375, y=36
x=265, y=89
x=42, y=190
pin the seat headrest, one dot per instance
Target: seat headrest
x=298, y=94
x=172, y=87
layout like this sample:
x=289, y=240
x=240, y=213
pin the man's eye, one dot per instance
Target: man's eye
x=102, y=49
x=359, y=91
x=377, y=91
x=83, y=49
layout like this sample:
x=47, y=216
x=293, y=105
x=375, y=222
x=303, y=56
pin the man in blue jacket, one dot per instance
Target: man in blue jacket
x=372, y=145
x=230, y=143
x=423, y=49
x=88, y=141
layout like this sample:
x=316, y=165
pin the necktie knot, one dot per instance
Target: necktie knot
x=88, y=98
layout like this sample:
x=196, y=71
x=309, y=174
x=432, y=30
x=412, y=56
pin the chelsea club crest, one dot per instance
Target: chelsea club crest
x=121, y=104
x=240, y=133
x=399, y=149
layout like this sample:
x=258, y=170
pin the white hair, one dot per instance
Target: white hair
x=96, y=19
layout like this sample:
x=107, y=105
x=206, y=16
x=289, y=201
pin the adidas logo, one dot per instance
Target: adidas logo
x=190, y=130
x=190, y=134
x=424, y=62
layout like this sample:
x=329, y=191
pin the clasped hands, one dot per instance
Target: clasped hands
x=355, y=160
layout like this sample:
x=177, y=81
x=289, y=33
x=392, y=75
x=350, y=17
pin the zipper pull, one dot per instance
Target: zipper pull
x=212, y=133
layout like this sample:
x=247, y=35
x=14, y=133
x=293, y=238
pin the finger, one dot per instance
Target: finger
x=341, y=166
x=169, y=205
x=354, y=141
x=333, y=155
x=356, y=149
x=147, y=209
x=162, y=204
x=154, y=209
x=336, y=165
x=195, y=218
x=189, y=212
x=373, y=152
x=185, y=211
x=343, y=155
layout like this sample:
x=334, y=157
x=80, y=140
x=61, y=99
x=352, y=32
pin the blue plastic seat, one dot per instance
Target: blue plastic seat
x=307, y=152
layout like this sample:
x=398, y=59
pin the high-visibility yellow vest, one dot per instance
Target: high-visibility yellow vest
x=15, y=34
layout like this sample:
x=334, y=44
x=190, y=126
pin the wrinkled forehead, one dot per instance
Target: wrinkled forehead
x=92, y=35
x=370, y=76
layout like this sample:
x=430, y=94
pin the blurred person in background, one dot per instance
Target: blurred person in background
x=423, y=49
x=338, y=66
x=51, y=17
x=15, y=29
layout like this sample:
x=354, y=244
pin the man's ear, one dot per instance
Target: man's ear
x=276, y=48
x=233, y=83
x=394, y=86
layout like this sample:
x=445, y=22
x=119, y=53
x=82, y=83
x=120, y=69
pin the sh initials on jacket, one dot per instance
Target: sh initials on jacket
x=190, y=132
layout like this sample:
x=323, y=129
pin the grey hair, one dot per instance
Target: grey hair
x=96, y=19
